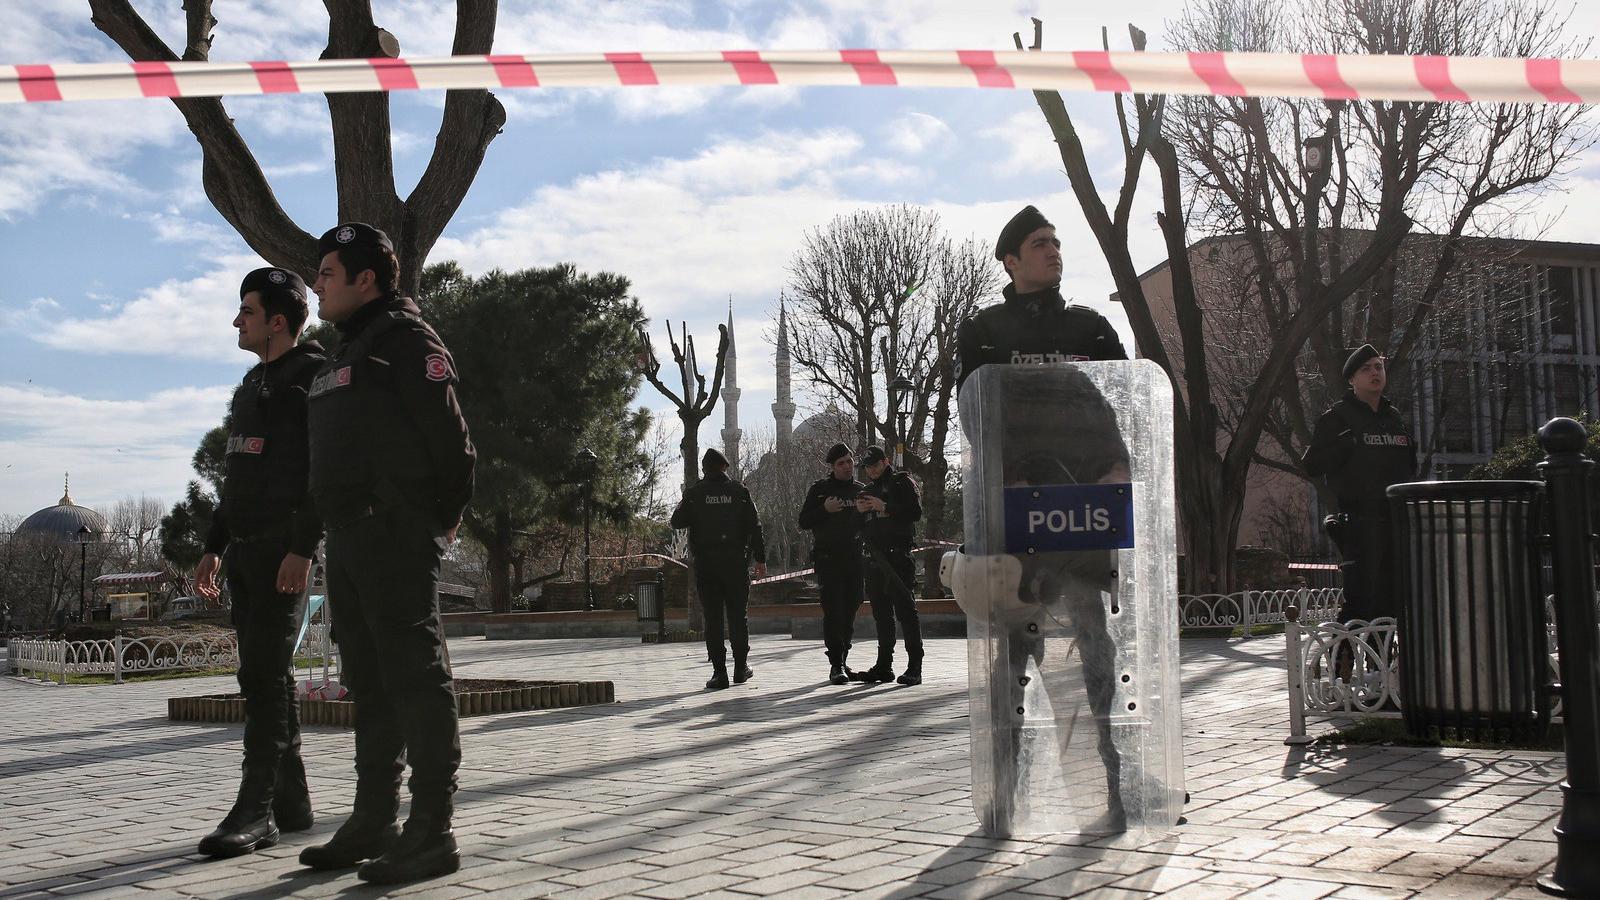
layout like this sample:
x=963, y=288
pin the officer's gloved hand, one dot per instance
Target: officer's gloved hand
x=987, y=587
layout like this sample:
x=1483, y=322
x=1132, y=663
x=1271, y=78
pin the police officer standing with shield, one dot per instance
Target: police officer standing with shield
x=1361, y=446
x=830, y=514
x=889, y=509
x=1057, y=433
x=268, y=528
x=391, y=472
x=724, y=535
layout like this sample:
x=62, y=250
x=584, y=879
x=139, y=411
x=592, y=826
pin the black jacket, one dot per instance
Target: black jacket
x=386, y=427
x=1037, y=327
x=268, y=459
x=894, y=528
x=1361, y=451
x=721, y=518
x=833, y=532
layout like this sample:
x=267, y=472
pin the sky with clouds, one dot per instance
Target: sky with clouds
x=116, y=352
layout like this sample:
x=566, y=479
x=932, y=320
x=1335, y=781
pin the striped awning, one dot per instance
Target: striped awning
x=136, y=578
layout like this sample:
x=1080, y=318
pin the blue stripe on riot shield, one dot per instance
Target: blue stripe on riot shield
x=1051, y=518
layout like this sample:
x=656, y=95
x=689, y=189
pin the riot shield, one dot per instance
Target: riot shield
x=1069, y=580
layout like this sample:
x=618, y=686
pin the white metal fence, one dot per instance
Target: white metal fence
x=119, y=656
x=1247, y=609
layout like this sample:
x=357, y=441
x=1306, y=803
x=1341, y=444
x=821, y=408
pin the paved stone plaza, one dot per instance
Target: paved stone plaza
x=784, y=787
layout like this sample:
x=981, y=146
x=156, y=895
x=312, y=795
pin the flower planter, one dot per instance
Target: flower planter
x=474, y=697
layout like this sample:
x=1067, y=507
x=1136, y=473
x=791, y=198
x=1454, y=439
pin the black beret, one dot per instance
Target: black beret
x=713, y=461
x=1358, y=358
x=358, y=235
x=272, y=280
x=836, y=452
x=1021, y=225
x=873, y=454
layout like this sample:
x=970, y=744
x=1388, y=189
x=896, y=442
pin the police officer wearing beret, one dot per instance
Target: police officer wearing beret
x=829, y=513
x=889, y=509
x=269, y=530
x=1361, y=446
x=1033, y=324
x=1056, y=433
x=391, y=473
x=724, y=535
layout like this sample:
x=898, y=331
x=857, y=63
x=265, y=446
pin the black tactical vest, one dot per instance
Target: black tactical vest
x=267, y=465
x=365, y=448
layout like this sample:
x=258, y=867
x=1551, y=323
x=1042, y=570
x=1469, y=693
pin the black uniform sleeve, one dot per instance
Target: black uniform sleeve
x=217, y=536
x=752, y=527
x=682, y=516
x=425, y=378
x=903, y=503
x=1331, y=446
x=1110, y=345
x=305, y=531
x=812, y=513
x=969, y=350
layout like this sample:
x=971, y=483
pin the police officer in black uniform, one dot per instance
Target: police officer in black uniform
x=268, y=528
x=830, y=514
x=391, y=473
x=889, y=509
x=724, y=535
x=1034, y=324
x=1054, y=436
x=1361, y=446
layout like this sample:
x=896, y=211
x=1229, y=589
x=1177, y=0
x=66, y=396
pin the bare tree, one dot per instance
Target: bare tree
x=133, y=533
x=1462, y=170
x=693, y=401
x=362, y=142
x=1231, y=165
x=694, y=404
x=879, y=294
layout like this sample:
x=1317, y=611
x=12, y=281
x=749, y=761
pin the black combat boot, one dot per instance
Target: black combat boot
x=741, y=669
x=837, y=672
x=291, y=799
x=248, y=826
x=426, y=849
x=367, y=834
x=719, y=671
x=913, y=672
x=882, y=670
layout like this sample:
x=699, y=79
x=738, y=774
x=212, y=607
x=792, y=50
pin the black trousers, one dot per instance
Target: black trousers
x=890, y=580
x=267, y=623
x=724, y=586
x=383, y=582
x=839, y=577
x=1369, y=576
x=1097, y=656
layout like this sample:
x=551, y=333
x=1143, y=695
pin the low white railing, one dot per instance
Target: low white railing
x=119, y=656
x=1366, y=681
x=1247, y=609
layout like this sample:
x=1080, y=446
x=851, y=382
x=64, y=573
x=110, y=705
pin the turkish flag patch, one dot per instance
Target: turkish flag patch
x=438, y=368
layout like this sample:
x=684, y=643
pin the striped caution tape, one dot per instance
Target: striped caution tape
x=1441, y=78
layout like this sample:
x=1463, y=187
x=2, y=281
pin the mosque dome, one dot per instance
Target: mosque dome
x=64, y=521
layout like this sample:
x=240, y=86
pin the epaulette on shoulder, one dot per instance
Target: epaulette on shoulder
x=1079, y=309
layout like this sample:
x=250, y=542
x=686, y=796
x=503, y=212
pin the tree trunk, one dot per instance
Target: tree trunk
x=690, y=445
x=498, y=548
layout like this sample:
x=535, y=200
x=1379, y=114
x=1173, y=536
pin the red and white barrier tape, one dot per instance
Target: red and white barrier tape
x=1239, y=74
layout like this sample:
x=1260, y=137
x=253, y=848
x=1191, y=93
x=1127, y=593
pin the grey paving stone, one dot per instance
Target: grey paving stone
x=785, y=787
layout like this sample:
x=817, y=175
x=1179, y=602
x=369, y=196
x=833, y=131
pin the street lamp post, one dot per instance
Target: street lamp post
x=899, y=389
x=587, y=463
x=83, y=572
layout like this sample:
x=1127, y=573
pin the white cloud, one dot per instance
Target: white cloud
x=916, y=133
x=80, y=148
x=188, y=318
x=113, y=447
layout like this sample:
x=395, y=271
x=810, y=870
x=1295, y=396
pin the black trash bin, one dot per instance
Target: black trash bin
x=1472, y=619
